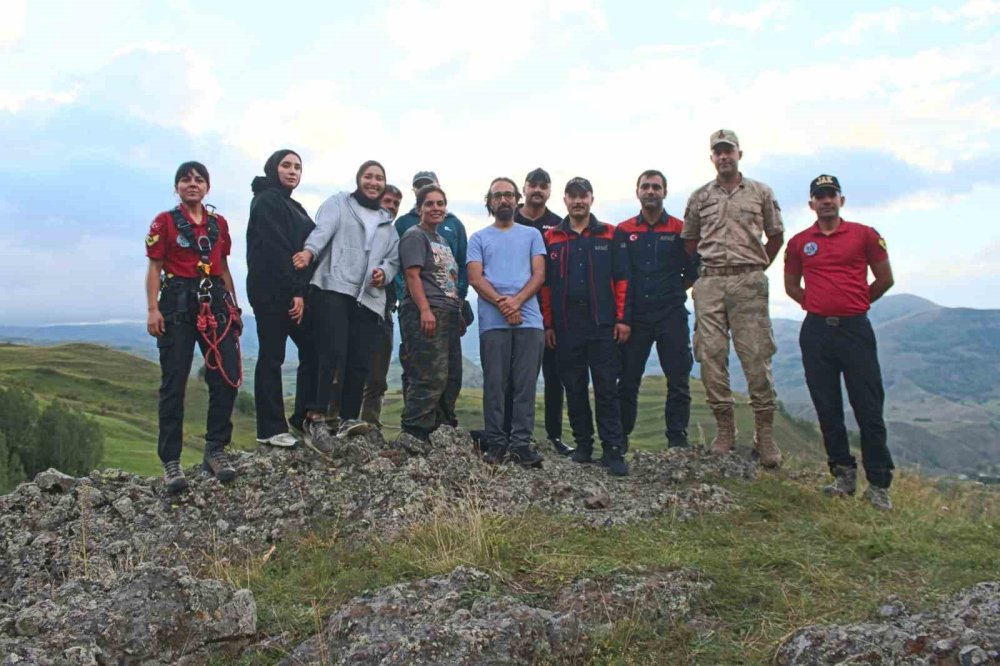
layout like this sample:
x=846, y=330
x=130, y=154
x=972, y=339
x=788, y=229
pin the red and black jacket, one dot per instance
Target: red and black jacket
x=607, y=274
x=659, y=269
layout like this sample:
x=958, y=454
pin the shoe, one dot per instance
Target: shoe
x=845, y=482
x=763, y=440
x=725, y=431
x=525, y=456
x=495, y=454
x=216, y=463
x=877, y=497
x=173, y=477
x=582, y=455
x=614, y=460
x=283, y=439
x=561, y=447
x=413, y=444
x=678, y=443
x=318, y=437
x=352, y=427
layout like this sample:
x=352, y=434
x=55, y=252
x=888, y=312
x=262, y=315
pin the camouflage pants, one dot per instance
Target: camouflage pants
x=433, y=367
x=737, y=304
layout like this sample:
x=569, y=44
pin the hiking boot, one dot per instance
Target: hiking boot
x=582, y=454
x=561, y=447
x=173, y=477
x=495, y=454
x=352, y=427
x=845, y=482
x=413, y=443
x=525, y=456
x=216, y=463
x=318, y=437
x=678, y=442
x=763, y=439
x=877, y=497
x=725, y=431
x=283, y=439
x=614, y=460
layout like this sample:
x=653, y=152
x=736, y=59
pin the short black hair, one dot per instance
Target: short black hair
x=651, y=172
x=392, y=189
x=187, y=167
x=427, y=189
x=501, y=179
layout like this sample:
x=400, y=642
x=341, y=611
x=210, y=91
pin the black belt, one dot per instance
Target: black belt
x=836, y=321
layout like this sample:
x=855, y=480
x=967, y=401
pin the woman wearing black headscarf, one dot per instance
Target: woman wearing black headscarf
x=355, y=248
x=277, y=229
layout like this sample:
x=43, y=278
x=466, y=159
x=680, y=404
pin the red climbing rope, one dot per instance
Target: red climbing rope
x=208, y=327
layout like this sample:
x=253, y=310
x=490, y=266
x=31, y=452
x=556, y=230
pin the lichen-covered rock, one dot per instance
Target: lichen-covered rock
x=153, y=615
x=466, y=618
x=963, y=630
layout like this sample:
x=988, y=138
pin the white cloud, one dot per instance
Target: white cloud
x=974, y=14
x=12, y=26
x=14, y=102
x=753, y=20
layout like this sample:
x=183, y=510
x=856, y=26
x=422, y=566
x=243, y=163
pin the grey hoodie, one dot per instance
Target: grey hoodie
x=339, y=243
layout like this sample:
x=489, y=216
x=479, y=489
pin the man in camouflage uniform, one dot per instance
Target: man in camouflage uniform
x=723, y=223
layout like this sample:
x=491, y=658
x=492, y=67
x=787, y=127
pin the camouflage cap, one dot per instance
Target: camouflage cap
x=824, y=182
x=425, y=177
x=723, y=136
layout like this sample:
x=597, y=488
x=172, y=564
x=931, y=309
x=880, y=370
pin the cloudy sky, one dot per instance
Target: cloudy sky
x=100, y=101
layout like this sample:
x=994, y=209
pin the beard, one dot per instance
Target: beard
x=504, y=214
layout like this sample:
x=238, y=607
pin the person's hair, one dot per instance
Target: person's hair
x=651, y=172
x=187, y=167
x=392, y=189
x=427, y=189
x=501, y=179
x=364, y=167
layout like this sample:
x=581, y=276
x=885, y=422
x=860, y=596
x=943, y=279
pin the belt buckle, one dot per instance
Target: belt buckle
x=832, y=321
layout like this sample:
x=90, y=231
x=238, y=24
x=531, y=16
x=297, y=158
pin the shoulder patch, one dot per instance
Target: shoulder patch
x=881, y=243
x=152, y=239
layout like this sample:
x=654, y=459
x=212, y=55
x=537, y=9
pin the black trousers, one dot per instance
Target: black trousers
x=343, y=331
x=584, y=348
x=553, y=398
x=847, y=348
x=274, y=327
x=176, y=348
x=673, y=347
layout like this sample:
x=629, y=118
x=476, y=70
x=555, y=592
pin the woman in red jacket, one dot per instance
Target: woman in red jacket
x=190, y=299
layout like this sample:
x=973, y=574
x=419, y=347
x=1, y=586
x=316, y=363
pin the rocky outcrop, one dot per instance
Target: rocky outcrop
x=467, y=618
x=94, y=543
x=963, y=631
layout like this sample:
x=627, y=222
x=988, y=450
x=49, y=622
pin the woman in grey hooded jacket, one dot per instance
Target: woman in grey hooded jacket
x=356, y=250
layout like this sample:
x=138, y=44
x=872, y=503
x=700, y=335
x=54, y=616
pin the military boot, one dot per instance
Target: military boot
x=763, y=440
x=725, y=431
x=877, y=497
x=216, y=462
x=845, y=481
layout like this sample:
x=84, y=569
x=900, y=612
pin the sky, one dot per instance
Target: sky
x=100, y=101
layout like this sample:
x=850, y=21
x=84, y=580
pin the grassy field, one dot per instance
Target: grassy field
x=120, y=390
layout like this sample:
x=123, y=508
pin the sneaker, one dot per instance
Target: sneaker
x=878, y=498
x=495, y=454
x=561, y=447
x=318, y=437
x=845, y=482
x=615, y=462
x=525, y=456
x=216, y=463
x=283, y=439
x=352, y=427
x=173, y=477
x=582, y=455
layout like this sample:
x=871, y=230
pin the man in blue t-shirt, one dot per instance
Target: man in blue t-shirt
x=506, y=267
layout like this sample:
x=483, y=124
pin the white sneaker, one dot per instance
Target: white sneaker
x=283, y=439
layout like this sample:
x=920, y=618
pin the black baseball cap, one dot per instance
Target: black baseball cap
x=824, y=182
x=539, y=175
x=579, y=184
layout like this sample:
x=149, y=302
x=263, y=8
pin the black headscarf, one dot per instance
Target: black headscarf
x=270, y=177
x=372, y=204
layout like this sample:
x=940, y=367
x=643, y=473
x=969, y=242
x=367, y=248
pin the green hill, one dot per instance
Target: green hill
x=120, y=391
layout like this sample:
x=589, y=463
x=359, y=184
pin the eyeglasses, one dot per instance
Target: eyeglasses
x=500, y=196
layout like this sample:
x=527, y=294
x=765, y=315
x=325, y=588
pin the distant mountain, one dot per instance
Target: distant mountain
x=941, y=370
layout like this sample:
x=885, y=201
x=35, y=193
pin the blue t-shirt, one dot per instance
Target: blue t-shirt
x=506, y=257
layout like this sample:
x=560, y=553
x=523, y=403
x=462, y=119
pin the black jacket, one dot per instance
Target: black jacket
x=277, y=229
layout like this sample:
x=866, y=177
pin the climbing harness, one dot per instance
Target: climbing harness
x=208, y=322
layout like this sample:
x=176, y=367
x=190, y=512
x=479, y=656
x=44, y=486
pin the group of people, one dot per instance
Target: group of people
x=577, y=299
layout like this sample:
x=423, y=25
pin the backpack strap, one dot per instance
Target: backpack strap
x=201, y=244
